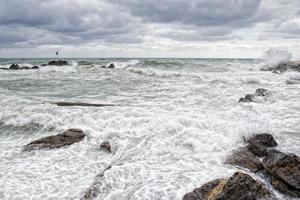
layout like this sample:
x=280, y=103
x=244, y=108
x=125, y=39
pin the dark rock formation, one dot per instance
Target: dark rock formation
x=14, y=67
x=257, y=149
x=283, y=67
x=238, y=187
x=262, y=92
x=81, y=104
x=112, y=65
x=284, y=172
x=266, y=139
x=244, y=158
x=106, y=146
x=34, y=67
x=95, y=189
x=248, y=98
x=68, y=137
x=58, y=63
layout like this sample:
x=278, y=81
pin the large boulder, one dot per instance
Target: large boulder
x=238, y=187
x=58, y=63
x=257, y=149
x=68, y=137
x=244, y=158
x=284, y=172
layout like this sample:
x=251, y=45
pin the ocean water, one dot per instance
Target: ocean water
x=175, y=122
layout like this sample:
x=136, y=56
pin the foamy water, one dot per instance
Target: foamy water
x=175, y=123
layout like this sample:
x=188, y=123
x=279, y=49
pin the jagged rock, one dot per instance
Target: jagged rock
x=266, y=139
x=112, y=65
x=106, y=146
x=238, y=187
x=14, y=67
x=68, y=137
x=248, y=98
x=58, y=63
x=81, y=104
x=262, y=92
x=284, y=172
x=257, y=149
x=244, y=158
x=283, y=67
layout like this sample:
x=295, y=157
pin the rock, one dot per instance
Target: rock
x=44, y=65
x=248, y=98
x=284, y=172
x=257, y=149
x=283, y=67
x=244, y=158
x=112, y=65
x=14, y=67
x=81, y=104
x=58, y=63
x=96, y=187
x=266, y=139
x=106, y=146
x=262, y=92
x=238, y=187
x=68, y=137
x=35, y=67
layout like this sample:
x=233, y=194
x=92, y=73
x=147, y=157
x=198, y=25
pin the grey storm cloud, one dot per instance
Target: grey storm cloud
x=195, y=12
x=62, y=22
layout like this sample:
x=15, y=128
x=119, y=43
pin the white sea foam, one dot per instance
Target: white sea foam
x=276, y=56
x=170, y=134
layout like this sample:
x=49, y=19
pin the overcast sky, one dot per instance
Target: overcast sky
x=148, y=28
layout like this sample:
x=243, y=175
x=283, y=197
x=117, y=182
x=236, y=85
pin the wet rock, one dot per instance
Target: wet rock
x=58, y=63
x=35, y=67
x=106, y=146
x=262, y=92
x=68, y=137
x=44, y=65
x=248, y=98
x=112, y=65
x=284, y=172
x=283, y=67
x=96, y=187
x=81, y=104
x=14, y=67
x=265, y=139
x=257, y=149
x=238, y=187
x=244, y=158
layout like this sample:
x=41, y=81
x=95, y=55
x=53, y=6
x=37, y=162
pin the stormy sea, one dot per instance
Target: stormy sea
x=170, y=124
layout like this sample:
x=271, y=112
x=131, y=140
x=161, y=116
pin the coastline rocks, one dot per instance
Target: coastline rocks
x=283, y=67
x=244, y=158
x=106, y=146
x=18, y=67
x=260, y=92
x=68, y=137
x=240, y=186
x=58, y=63
x=257, y=149
x=284, y=172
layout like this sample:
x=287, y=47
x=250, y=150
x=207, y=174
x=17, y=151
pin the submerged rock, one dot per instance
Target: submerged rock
x=244, y=158
x=284, y=172
x=248, y=98
x=18, y=67
x=68, y=137
x=106, y=146
x=58, y=63
x=262, y=92
x=96, y=187
x=238, y=187
x=81, y=104
x=14, y=67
